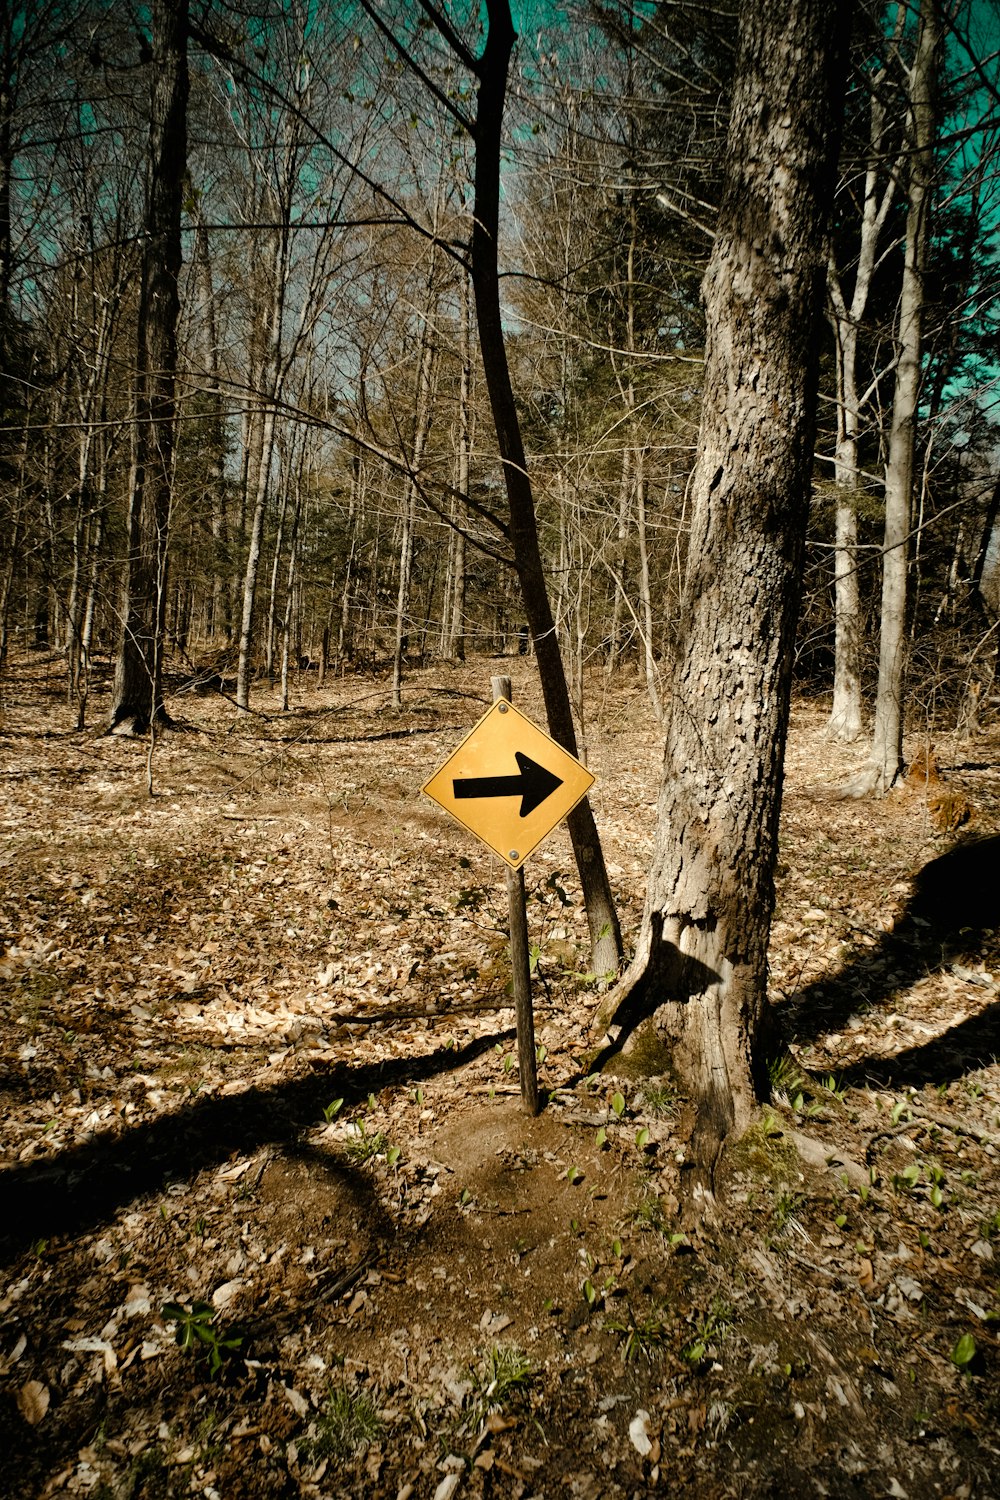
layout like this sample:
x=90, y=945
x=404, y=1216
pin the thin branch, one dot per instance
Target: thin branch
x=405, y=56
x=218, y=49
x=451, y=36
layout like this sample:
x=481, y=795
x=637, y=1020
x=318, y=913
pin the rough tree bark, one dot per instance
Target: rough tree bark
x=698, y=980
x=491, y=69
x=138, y=690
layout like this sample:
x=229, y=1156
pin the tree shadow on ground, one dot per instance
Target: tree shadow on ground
x=86, y=1185
x=953, y=914
x=624, y=1015
x=349, y=1196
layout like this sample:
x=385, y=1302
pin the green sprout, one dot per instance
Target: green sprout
x=196, y=1330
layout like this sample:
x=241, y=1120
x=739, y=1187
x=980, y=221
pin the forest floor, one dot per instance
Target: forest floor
x=272, y=1219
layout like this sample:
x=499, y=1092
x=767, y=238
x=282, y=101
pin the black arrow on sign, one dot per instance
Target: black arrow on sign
x=532, y=785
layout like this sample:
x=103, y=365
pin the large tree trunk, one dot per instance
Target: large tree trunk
x=138, y=688
x=886, y=761
x=698, y=980
x=602, y=918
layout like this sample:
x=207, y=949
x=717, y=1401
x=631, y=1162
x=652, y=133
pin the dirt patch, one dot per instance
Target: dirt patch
x=273, y=1222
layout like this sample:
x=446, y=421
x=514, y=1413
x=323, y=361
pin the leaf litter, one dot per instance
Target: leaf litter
x=274, y=1222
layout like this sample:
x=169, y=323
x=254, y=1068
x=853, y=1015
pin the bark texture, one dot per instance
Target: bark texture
x=138, y=692
x=701, y=965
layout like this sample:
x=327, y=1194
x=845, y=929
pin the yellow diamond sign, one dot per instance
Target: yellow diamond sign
x=509, y=783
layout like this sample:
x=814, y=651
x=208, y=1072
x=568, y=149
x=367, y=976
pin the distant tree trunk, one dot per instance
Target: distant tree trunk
x=217, y=603
x=453, y=632
x=626, y=388
x=14, y=534
x=698, y=982
x=987, y=533
x=261, y=443
x=90, y=605
x=886, y=760
x=345, y=643
x=602, y=918
x=845, y=712
x=138, y=687
x=15, y=531
x=423, y=408
x=8, y=82
x=272, y=597
x=614, y=633
x=645, y=595
x=290, y=580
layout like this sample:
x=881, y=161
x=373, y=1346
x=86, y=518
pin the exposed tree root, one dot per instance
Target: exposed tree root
x=871, y=781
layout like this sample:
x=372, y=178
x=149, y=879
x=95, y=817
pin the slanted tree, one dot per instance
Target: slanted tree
x=137, y=699
x=698, y=979
x=491, y=70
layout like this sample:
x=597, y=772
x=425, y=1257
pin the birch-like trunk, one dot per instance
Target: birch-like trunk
x=272, y=596
x=218, y=612
x=261, y=460
x=453, y=643
x=291, y=576
x=886, y=759
x=422, y=425
x=645, y=594
x=845, y=721
x=626, y=387
x=355, y=511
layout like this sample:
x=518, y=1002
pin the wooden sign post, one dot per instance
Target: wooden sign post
x=520, y=960
x=510, y=783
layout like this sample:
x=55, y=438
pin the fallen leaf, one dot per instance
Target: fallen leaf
x=33, y=1401
x=639, y=1434
x=910, y=1289
x=225, y=1293
x=296, y=1400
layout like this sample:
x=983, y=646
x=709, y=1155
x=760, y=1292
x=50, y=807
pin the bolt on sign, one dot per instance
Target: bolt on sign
x=509, y=783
